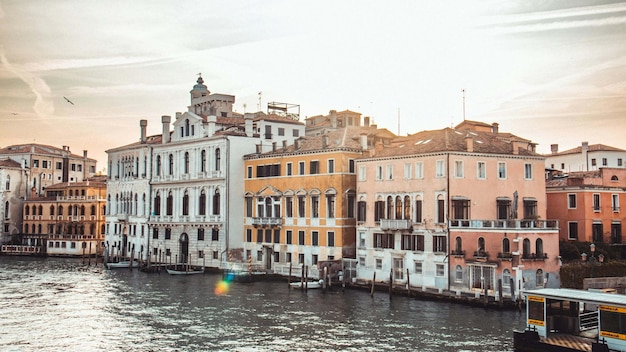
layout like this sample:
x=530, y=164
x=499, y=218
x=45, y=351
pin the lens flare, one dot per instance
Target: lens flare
x=222, y=287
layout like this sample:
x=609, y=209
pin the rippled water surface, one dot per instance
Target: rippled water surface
x=63, y=305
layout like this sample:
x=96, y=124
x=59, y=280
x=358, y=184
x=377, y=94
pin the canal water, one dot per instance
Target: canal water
x=62, y=305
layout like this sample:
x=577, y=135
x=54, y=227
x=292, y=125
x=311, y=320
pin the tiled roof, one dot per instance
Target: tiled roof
x=33, y=148
x=10, y=163
x=592, y=148
x=449, y=140
x=154, y=139
x=96, y=182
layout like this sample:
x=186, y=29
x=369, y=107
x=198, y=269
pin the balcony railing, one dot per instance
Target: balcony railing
x=506, y=224
x=535, y=256
x=267, y=221
x=481, y=254
x=395, y=224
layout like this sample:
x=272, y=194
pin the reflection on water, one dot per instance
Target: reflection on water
x=62, y=305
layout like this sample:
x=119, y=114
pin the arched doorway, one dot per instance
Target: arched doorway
x=184, y=248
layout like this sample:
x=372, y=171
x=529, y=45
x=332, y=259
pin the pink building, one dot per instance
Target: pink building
x=458, y=209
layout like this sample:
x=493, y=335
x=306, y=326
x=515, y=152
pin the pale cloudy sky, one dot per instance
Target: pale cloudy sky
x=550, y=71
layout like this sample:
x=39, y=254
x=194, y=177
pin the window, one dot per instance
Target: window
x=216, y=202
x=350, y=205
x=596, y=202
x=170, y=170
x=277, y=236
x=481, y=170
x=218, y=159
x=390, y=172
x=383, y=240
x=503, y=206
x=572, y=230
x=8, y=183
x=249, y=172
x=501, y=170
x=506, y=245
x=361, y=211
x=330, y=242
x=418, y=211
x=330, y=205
x=169, y=204
x=296, y=133
x=301, y=237
x=539, y=278
x=44, y=165
x=281, y=131
x=289, y=236
x=528, y=171
x=155, y=233
x=379, y=172
x=418, y=267
x=248, y=235
x=186, y=163
x=619, y=162
x=168, y=234
x=458, y=169
x=202, y=203
x=419, y=170
x=571, y=201
x=59, y=165
x=379, y=263
x=301, y=206
x=460, y=208
x=439, y=244
x=315, y=238
x=362, y=173
x=412, y=242
x=331, y=166
x=615, y=202
x=441, y=211
x=158, y=165
x=315, y=206
x=593, y=162
x=458, y=274
x=314, y=167
x=186, y=203
x=596, y=231
x=539, y=248
x=35, y=163
x=530, y=209
x=407, y=171
x=289, y=169
x=203, y=161
x=200, y=234
x=440, y=270
x=440, y=169
x=604, y=162
x=351, y=166
x=301, y=168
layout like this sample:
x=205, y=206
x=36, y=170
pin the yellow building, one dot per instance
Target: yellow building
x=68, y=220
x=301, y=200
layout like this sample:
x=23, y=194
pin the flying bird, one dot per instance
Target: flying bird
x=14, y=113
x=69, y=101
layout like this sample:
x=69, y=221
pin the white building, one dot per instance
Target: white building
x=194, y=177
x=13, y=190
x=585, y=158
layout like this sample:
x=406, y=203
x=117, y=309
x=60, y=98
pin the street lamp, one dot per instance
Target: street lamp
x=592, y=260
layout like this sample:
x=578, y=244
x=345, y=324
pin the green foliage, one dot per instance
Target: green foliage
x=572, y=274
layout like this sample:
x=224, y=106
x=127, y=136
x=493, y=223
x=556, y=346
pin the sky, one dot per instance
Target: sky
x=552, y=71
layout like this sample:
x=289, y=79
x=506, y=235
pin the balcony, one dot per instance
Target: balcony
x=481, y=255
x=267, y=222
x=395, y=224
x=458, y=253
x=505, y=256
x=534, y=256
x=531, y=224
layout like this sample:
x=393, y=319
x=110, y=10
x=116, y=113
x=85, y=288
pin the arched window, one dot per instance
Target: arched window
x=539, y=278
x=506, y=245
x=158, y=165
x=458, y=274
x=82, y=210
x=157, y=204
x=170, y=204
x=187, y=127
x=216, y=202
x=34, y=210
x=614, y=178
x=186, y=162
x=186, y=203
x=40, y=210
x=506, y=278
x=458, y=248
x=93, y=210
x=8, y=183
x=135, y=205
x=92, y=229
x=33, y=229
x=481, y=244
x=60, y=212
x=202, y=203
x=52, y=210
x=203, y=160
x=407, y=207
x=389, y=207
x=526, y=248
x=398, y=208
x=539, y=248
x=268, y=207
x=171, y=165
x=218, y=159
x=26, y=210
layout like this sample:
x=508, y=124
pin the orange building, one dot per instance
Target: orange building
x=587, y=205
x=68, y=220
x=301, y=200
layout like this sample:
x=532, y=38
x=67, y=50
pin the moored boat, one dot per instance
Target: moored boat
x=122, y=264
x=307, y=284
x=185, y=271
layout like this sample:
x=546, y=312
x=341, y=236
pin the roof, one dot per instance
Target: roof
x=154, y=139
x=42, y=149
x=579, y=296
x=591, y=148
x=451, y=140
x=96, y=182
x=10, y=163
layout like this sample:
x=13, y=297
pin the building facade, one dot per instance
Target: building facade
x=68, y=220
x=586, y=157
x=13, y=189
x=587, y=205
x=458, y=209
x=301, y=200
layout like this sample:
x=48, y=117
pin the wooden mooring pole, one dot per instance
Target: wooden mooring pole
x=390, y=282
x=408, y=283
x=373, y=283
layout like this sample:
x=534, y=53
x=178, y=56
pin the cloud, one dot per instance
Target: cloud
x=43, y=106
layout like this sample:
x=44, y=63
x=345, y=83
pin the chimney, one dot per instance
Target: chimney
x=273, y=147
x=178, y=115
x=248, y=121
x=515, y=145
x=374, y=126
x=165, y=120
x=142, y=125
x=469, y=143
x=325, y=141
x=296, y=144
x=258, y=149
x=366, y=121
x=554, y=148
x=284, y=145
x=585, y=149
x=333, y=118
x=494, y=127
x=84, y=154
x=363, y=137
x=211, y=121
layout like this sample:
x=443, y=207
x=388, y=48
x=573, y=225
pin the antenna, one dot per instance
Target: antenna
x=244, y=108
x=259, y=105
x=463, y=91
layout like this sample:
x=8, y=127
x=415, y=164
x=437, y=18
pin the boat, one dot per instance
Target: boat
x=568, y=320
x=238, y=276
x=185, y=272
x=122, y=264
x=307, y=284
